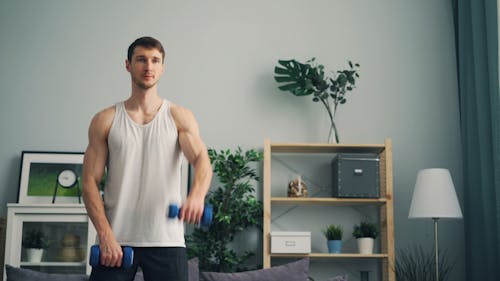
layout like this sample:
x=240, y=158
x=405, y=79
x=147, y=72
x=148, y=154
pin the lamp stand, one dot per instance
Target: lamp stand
x=436, y=251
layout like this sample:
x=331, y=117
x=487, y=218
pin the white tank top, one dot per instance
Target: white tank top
x=144, y=177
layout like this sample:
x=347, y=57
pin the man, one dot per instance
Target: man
x=141, y=141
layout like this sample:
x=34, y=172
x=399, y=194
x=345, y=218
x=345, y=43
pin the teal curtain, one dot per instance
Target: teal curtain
x=477, y=57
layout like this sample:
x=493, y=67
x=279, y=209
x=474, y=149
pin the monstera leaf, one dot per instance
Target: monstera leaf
x=295, y=77
x=300, y=79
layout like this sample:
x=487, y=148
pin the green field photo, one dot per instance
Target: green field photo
x=43, y=179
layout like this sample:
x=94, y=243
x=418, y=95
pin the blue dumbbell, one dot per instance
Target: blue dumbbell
x=206, y=218
x=127, y=260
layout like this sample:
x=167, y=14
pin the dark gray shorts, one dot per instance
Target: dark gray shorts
x=157, y=264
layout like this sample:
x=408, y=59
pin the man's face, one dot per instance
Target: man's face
x=146, y=67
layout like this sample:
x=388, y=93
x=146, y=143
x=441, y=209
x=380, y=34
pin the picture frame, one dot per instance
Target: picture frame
x=39, y=173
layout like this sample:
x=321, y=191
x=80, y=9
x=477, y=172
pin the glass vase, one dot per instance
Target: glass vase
x=333, y=134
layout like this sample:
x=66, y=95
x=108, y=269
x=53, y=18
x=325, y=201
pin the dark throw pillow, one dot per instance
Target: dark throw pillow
x=294, y=271
x=23, y=274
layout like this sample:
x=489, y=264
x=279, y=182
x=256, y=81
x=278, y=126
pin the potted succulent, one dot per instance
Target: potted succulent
x=333, y=234
x=35, y=241
x=365, y=233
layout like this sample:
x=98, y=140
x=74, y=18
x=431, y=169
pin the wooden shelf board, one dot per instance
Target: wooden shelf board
x=325, y=148
x=334, y=256
x=327, y=201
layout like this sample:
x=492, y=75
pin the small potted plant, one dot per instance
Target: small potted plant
x=35, y=241
x=333, y=234
x=365, y=233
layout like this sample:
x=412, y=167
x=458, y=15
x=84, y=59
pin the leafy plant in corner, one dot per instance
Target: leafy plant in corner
x=333, y=232
x=365, y=229
x=302, y=79
x=416, y=264
x=235, y=208
x=35, y=239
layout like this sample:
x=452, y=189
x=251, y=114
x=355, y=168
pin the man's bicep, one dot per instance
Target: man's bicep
x=191, y=145
x=94, y=163
x=96, y=153
x=189, y=135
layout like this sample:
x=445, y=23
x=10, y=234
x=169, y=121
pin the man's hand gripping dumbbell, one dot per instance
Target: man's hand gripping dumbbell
x=206, y=219
x=126, y=262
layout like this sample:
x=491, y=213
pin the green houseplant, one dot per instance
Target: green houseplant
x=365, y=229
x=333, y=234
x=235, y=208
x=365, y=234
x=35, y=239
x=309, y=78
x=416, y=264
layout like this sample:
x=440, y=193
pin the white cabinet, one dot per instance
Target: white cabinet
x=69, y=230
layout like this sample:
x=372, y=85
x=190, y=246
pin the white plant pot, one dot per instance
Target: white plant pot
x=34, y=255
x=365, y=245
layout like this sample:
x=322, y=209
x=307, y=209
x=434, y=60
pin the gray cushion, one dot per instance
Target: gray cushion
x=294, y=271
x=193, y=270
x=139, y=276
x=23, y=274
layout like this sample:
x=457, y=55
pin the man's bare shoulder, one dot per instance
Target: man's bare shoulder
x=183, y=117
x=178, y=110
x=104, y=118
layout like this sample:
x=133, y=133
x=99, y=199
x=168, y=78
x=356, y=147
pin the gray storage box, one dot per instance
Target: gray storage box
x=356, y=175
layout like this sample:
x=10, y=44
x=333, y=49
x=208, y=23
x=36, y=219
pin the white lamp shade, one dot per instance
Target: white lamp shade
x=434, y=196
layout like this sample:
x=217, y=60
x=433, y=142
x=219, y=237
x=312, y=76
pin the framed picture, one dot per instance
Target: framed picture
x=50, y=177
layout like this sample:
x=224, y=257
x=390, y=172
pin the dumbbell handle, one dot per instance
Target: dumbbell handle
x=95, y=256
x=206, y=219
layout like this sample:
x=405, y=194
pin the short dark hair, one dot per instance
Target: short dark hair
x=148, y=43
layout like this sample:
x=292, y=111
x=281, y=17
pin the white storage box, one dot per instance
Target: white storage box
x=290, y=242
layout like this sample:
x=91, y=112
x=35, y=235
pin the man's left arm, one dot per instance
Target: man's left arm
x=196, y=153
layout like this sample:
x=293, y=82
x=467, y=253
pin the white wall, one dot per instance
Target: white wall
x=61, y=61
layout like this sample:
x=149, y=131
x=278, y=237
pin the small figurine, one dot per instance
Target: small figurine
x=297, y=188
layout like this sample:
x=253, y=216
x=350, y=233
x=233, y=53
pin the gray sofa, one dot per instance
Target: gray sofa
x=294, y=271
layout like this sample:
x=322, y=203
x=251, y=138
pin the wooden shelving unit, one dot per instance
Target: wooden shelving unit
x=384, y=203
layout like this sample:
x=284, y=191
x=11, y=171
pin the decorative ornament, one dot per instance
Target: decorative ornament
x=297, y=188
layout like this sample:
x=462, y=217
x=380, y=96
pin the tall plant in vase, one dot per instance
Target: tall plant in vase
x=302, y=79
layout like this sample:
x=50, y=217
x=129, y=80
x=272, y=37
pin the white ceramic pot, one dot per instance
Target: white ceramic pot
x=365, y=245
x=34, y=255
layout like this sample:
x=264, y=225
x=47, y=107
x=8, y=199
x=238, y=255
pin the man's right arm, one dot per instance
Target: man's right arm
x=93, y=170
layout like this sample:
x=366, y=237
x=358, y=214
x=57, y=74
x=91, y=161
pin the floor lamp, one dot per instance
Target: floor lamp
x=434, y=197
